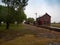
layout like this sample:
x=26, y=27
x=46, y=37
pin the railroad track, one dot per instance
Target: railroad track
x=51, y=28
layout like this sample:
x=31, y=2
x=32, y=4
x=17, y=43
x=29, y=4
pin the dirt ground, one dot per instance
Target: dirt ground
x=30, y=29
x=43, y=32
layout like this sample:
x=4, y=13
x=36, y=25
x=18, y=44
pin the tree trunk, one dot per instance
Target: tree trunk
x=0, y=23
x=7, y=25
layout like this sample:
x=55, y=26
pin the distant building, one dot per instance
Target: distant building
x=44, y=20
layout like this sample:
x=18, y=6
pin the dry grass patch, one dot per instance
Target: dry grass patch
x=56, y=25
x=29, y=40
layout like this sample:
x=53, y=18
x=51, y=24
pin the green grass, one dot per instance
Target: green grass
x=56, y=25
x=12, y=26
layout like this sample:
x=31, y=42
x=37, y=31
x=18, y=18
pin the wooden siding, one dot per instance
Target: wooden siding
x=44, y=20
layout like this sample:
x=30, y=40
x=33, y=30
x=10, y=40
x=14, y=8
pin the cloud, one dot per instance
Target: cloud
x=52, y=7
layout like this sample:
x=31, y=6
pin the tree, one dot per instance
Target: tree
x=2, y=13
x=5, y=17
x=12, y=4
x=21, y=15
x=30, y=20
x=15, y=3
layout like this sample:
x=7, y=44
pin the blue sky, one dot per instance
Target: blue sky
x=0, y=2
x=54, y=2
x=52, y=7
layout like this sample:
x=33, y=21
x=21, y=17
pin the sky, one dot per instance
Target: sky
x=52, y=7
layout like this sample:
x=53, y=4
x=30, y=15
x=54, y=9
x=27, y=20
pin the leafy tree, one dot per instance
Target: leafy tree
x=15, y=3
x=11, y=5
x=15, y=16
x=0, y=14
x=21, y=14
x=30, y=20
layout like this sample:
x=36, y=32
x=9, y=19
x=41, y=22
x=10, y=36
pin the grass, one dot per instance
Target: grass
x=56, y=25
x=13, y=32
x=21, y=35
x=12, y=26
x=29, y=40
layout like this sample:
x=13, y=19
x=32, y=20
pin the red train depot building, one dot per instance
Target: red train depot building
x=44, y=20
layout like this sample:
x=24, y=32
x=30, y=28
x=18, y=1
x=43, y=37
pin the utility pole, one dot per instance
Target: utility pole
x=36, y=15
